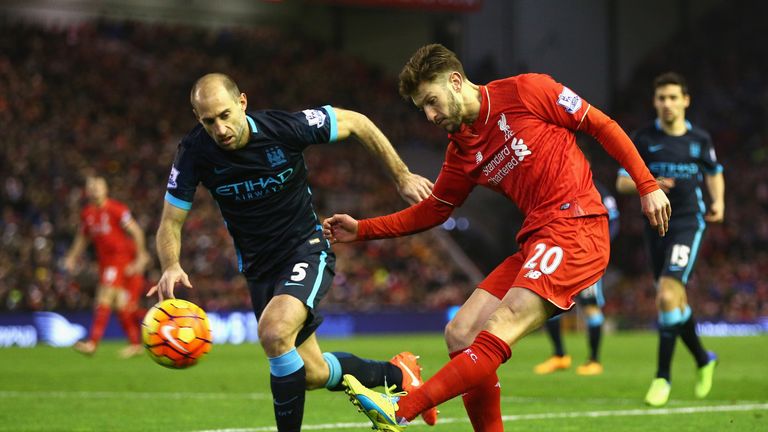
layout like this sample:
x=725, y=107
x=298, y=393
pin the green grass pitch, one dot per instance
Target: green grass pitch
x=55, y=389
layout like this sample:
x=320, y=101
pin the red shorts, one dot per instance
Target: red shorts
x=113, y=275
x=557, y=261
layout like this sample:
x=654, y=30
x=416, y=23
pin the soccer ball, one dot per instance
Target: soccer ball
x=176, y=333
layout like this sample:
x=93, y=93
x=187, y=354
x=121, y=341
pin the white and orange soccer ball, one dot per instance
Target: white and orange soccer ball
x=176, y=333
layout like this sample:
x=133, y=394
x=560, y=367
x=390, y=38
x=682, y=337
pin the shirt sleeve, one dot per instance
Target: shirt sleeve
x=635, y=137
x=616, y=142
x=302, y=128
x=183, y=180
x=559, y=105
x=121, y=213
x=709, y=159
x=551, y=101
x=451, y=190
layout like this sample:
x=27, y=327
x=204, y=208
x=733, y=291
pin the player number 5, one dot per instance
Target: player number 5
x=299, y=272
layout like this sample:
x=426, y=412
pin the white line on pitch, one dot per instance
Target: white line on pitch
x=91, y=394
x=540, y=416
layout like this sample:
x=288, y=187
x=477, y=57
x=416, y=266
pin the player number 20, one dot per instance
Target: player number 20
x=550, y=258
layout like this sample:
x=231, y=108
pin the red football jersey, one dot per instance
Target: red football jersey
x=104, y=226
x=522, y=145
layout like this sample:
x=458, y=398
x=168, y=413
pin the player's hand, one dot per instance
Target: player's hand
x=665, y=183
x=656, y=208
x=340, y=228
x=716, y=212
x=70, y=265
x=171, y=276
x=138, y=264
x=414, y=188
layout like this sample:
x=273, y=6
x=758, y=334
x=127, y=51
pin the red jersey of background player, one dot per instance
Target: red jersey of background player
x=522, y=145
x=104, y=226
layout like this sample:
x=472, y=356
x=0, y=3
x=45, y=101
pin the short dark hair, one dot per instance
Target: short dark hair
x=424, y=65
x=671, y=78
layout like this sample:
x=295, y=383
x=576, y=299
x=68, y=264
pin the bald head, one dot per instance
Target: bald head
x=210, y=84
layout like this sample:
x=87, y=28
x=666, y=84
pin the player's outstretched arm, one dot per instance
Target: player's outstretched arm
x=412, y=187
x=340, y=228
x=77, y=248
x=656, y=208
x=168, y=251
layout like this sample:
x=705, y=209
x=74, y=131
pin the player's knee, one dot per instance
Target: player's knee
x=668, y=299
x=594, y=319
x=275, y=339
x=459, y=335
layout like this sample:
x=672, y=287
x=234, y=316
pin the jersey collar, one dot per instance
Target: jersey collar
x=657, y=123
x=253, y=125
x=484, y=114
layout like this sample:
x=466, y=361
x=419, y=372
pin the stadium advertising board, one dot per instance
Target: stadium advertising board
x=238, y=327
x=442, y=5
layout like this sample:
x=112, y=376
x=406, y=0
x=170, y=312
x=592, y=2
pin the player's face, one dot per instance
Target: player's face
x=440, y=104
x=670, y=103
x=96, y=189
x=223, y=117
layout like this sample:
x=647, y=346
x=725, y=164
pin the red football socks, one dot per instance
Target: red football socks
x=474, y=366
x=128, y=323
x=100, y=321
x=483, y=404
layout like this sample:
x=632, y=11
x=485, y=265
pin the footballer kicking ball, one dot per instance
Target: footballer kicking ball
x=176, y=333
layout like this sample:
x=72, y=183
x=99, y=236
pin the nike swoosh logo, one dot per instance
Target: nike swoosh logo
x=655, y=148
x=414, y=380
x=284, y=403
x=293, y=284
x=218, y=170
x=166, y=332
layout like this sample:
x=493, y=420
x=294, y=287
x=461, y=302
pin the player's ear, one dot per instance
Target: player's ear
x=243, y=101
x=455, y=80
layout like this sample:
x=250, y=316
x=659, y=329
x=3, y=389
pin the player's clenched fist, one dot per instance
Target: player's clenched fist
x=656, y=208
x=340, y=228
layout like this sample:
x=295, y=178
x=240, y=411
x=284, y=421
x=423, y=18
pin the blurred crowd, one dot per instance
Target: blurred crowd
x=113, y=97
x=722, y=57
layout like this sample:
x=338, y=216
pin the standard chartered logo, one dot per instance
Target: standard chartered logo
x=255, y=188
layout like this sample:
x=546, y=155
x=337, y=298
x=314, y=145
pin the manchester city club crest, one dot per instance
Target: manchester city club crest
x=275, y=156
x=695, y=149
